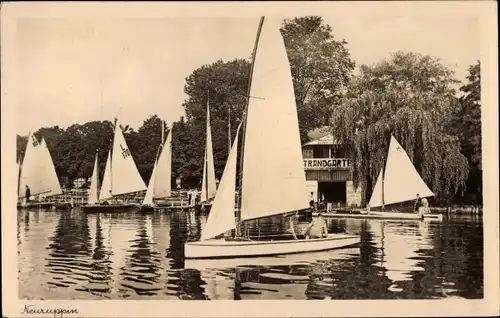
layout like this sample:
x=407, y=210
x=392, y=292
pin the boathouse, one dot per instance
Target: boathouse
x=329, y=171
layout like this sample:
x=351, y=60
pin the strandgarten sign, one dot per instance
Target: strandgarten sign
x=329, y=163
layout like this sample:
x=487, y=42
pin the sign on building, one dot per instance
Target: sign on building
x=328, y=163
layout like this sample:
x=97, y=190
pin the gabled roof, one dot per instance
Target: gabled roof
x=325, y=140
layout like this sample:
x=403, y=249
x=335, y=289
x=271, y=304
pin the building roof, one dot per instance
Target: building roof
x=325, y=140
x=321, y=136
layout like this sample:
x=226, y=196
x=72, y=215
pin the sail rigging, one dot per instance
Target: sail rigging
x=163, y=174
x=221, y=217
x=272, y=165
x=94, y=183
x=106, y=180
x=208, y=188
x=148, y=198
x=49, y=170
x=124, y=174
x=400, y=181
x=37, y=170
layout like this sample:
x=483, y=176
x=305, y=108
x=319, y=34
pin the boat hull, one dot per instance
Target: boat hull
x=64, y=206
x=110, y=208
x=147, y=208
x=383, y=215
x=36, y=205
x=236, y=249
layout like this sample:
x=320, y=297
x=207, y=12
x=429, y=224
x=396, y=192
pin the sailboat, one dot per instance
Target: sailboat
x=398, y=182
x=271, y=180
x=120, y=177
x=37, y=171
x=208, y=185
x=160, y=183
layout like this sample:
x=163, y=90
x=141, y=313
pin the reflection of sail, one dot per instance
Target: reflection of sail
x=92, y=224
x=218, y=285
x=400, y=244
x=120, y=237
x=37, y=233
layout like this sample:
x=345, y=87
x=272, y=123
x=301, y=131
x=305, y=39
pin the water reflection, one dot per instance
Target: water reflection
x=72, y=255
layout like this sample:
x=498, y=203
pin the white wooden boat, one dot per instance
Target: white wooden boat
x=37, y=171
x=120, y=177
x=271, y=178
x=223, y=248
x=160, y=186
x=382, y=215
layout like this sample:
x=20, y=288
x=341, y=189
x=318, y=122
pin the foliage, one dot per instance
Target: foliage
x=411, y=97
x=223, y=86
x=321, y=68
x=466, y=124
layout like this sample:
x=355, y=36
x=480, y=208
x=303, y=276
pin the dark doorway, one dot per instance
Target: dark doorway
x=334, y=192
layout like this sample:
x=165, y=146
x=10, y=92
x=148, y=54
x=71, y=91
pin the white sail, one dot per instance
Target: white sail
x=163, y=175
x=221, y=217
x=106, y=181
x=94, y=183
x=125, y=177
x=376, y=197
x=49, y=170
x=208, y=185
x=273, y=169
x=401, y=180
x=31, y=170
x=148, y=198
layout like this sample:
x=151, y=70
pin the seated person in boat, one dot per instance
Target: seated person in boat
x=317, y=228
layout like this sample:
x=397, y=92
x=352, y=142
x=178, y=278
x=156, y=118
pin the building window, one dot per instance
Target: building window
x=307, y=153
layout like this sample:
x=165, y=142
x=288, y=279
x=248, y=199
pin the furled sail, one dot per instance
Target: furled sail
x=273, y=169
x=208, y=187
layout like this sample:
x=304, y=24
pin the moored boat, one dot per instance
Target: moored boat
x=159, y=186
x=274, y=186
x=120, y=177
x=37, y=172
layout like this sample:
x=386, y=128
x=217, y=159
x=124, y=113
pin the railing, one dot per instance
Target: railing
x=80, y=196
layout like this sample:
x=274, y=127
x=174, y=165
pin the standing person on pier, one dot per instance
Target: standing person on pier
x=419, y=208
x=27, y=194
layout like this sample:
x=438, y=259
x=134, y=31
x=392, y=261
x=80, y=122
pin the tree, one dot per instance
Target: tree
x=223, y=85
x=321, y=68
x=146, y=144
x=411, y=97
x=466, y=124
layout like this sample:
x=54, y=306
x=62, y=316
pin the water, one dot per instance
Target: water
x=71, y=255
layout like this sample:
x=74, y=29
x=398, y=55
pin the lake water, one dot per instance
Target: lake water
x=72, y=255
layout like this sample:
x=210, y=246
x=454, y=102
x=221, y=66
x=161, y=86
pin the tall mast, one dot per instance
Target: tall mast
x=111, y=161
x=238, y=210
x=228, y=129
x=206, y=146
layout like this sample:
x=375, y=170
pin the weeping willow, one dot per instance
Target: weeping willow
x=409, y=97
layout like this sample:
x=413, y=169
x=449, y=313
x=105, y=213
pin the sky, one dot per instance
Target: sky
x=74, y=70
